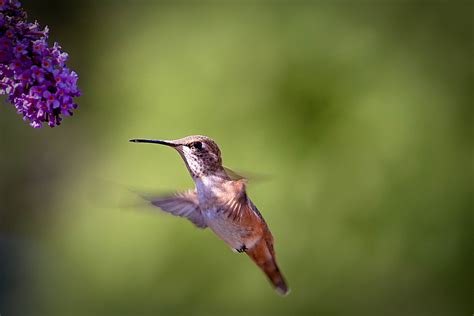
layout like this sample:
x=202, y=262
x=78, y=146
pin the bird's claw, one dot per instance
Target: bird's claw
x=243, y=248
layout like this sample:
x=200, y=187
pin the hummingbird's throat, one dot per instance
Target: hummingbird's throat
x=198, y=169
x=201, y=164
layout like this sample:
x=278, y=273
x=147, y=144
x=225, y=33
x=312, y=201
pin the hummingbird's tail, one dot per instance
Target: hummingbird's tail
x=262, y=254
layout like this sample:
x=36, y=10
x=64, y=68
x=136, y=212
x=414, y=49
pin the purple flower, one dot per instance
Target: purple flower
x=51, y=100
x=37, y=73
x=32, y=74
x=20, y=49
x=47, y=64
x=39, y=46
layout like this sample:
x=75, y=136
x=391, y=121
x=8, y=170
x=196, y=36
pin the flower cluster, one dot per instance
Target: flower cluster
x=32, y=73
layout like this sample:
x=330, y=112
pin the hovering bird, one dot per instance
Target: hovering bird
x=220, y=202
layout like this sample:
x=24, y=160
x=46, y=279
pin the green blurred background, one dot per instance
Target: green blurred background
x=360, y=113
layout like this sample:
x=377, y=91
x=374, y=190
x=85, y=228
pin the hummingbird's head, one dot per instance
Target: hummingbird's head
x=200, y=153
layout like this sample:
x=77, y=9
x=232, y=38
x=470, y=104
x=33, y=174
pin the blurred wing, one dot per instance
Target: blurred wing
x=233, y=175
x=183, y=204
x=236, y=176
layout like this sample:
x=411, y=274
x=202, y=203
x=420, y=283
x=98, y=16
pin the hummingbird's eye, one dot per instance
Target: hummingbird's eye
x=196, y=145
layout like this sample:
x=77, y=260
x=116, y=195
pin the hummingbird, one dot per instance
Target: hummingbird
x=220, y=201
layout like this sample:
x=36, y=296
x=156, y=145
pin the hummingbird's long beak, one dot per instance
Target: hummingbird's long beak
x=152, y=141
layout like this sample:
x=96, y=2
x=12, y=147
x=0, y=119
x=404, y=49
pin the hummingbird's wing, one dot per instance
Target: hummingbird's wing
x=233, y=175
x=183, y=204
x=236, y=176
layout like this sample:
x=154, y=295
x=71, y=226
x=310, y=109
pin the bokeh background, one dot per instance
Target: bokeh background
x=358, y=114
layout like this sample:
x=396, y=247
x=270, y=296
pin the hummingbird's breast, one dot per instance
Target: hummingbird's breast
x=224, y=212
x=232, y=233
